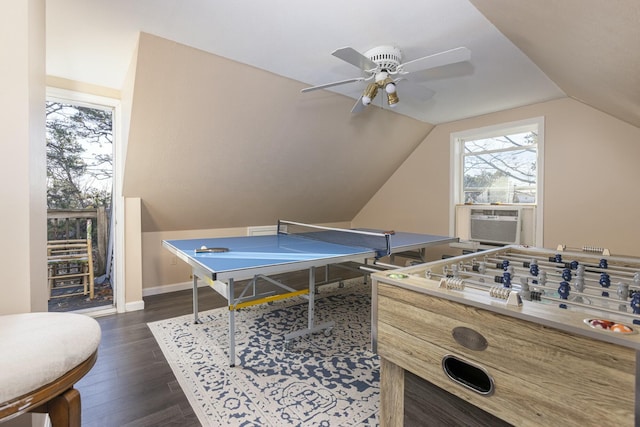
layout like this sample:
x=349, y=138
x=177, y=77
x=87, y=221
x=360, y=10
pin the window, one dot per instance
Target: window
x=500, y=164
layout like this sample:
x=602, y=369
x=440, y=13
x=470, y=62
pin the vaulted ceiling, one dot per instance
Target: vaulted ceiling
x=522, y=52
x=220, y=135
x=589, y=48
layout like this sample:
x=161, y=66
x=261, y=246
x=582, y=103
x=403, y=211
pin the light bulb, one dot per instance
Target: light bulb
x=393, y=99
x=369, y=94
x=390, y=88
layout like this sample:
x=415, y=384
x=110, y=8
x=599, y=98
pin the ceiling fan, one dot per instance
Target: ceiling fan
x=383, y=68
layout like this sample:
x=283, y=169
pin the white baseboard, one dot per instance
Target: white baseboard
x=156, y=290
x=134, y=306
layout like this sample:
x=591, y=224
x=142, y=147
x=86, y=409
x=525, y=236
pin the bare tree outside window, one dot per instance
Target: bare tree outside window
x=500, y=169
x=79, y=156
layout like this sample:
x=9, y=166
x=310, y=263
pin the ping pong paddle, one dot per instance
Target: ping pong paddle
x=205, y=249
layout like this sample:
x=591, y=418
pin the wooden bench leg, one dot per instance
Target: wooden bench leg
x=64, y=410
x=85, y=280
x=51, y=273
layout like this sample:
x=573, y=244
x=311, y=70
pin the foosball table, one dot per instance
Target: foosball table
x=532, y=336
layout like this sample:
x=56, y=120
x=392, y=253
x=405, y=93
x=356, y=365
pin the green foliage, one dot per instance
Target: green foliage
x=72, y=174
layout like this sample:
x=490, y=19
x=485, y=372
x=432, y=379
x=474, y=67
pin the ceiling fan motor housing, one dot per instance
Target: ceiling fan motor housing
x=386, y=57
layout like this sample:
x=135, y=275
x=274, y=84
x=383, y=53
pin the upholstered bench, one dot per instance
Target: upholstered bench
x=42, y=355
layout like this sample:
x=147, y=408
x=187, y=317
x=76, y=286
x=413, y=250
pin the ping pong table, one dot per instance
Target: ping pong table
x=220, y=262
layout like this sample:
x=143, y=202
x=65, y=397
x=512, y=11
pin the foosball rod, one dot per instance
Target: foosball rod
x=491, y=280
x=591, y=307
x=460, y=283
x=593, y=268
x=589, y=276
x=612, y=264
x=549, y=285
x=510, y=296
x=587, y=249
x=541, y=260
x=493, y=266
x=589, y=296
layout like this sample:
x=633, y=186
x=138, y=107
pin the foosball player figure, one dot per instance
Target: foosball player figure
x=623, y=294
x=506, y=279
x=534, y=270
x=579, y=286
x=605, y=282
x=635, y=305
x=563, y=291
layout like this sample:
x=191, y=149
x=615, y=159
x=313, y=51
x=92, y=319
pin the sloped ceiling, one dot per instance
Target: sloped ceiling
x=523, y=51
x=216, y=144
x=92, y=41
x=589, y=48
x=222, y=137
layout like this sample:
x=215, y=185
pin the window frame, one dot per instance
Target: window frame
x=457, y=158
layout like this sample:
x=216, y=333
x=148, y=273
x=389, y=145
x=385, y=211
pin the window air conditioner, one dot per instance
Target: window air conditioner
x=495, y=225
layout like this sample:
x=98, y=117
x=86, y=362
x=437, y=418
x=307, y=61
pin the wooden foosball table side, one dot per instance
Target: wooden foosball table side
x=532, y=374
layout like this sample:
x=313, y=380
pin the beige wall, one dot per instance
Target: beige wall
x=80, y=87
x=133, y=253
x=218, y=144
x=198, y=172
x=128, y=248
x=160, y=267
x=590, y=180
x=217, y=120
x=22, y=165
x=588, y=156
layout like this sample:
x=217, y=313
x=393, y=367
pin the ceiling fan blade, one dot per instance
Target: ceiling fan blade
x=358, y=106
x=353, y=57
x=326, y=85
x=452, y=56
x=414, y=90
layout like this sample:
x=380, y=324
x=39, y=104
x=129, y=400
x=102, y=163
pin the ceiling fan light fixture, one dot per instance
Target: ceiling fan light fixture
x=392, y=98
x=389, y=86
x=382, y=62
x=370, y=92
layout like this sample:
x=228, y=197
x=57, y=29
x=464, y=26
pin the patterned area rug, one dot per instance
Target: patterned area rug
x=315, y=381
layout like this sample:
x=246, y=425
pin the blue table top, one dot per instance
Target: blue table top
x=270, y=254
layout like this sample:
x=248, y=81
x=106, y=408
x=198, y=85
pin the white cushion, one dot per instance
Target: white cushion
x=38, y=348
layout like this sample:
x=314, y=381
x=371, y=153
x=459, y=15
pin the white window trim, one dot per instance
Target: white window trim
x=455, y=183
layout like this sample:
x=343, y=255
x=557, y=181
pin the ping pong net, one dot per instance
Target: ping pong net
x=378, y=242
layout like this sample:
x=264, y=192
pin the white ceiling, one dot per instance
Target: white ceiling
x=92, y=41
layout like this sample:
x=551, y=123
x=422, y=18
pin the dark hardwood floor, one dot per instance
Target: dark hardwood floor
x=133, y=385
